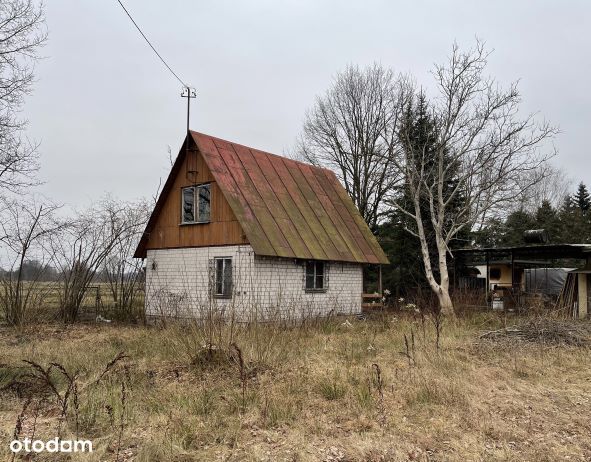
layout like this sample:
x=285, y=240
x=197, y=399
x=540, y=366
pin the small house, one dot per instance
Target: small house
x=240, y=232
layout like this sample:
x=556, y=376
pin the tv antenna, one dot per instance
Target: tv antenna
x=189, y=93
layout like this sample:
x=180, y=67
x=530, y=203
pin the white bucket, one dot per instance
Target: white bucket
x=497, y=304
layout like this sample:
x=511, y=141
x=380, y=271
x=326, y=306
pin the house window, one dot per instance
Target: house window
x=495, y=273
x=196, y=204
x=223, y=278
x=315, y=276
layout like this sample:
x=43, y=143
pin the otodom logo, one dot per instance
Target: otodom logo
x=53, y=445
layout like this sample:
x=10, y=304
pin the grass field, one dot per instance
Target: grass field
x=336, y=390
x=44, y=302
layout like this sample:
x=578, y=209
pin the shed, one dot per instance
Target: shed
x=251, y=234
x=517, y=271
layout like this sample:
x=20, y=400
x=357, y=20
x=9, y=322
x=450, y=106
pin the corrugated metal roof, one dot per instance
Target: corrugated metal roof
x=552, y=251
x=288, y=208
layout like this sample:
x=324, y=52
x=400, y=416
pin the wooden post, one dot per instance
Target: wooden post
x=455, y=274
x=487, y=288
x=583, y=300
x=512, y=268
x=512, y=291
x=380, y=280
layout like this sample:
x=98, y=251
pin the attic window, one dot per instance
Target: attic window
x=196, y=204
x=315, y=276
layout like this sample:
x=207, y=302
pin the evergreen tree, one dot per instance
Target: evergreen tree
x=401, y=246
x=515, y=225
x=491, y=234
x=575, y=222
x=582, y=199
x=547, y=218
x=570, y=223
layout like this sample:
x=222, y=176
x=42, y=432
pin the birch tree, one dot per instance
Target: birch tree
x=482, y=142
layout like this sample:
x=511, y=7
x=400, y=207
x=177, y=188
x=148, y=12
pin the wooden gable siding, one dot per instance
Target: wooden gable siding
x=223, y=229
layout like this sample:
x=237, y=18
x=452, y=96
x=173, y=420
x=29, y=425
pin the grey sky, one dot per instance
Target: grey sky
x=105, y=109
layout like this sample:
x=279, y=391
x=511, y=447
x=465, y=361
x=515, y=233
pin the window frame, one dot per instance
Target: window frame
x=315, y=276
x=229, y=289
x=495, y=274
x=196, y=211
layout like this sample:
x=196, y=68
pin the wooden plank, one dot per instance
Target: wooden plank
x=223, y=229
x=371, y=305
x=371, y=295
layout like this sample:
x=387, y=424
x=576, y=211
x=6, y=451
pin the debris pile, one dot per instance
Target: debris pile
x=547, y=331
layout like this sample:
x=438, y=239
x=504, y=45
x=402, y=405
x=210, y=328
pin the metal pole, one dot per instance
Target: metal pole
x=188, y=107
x=487, y=280
x=188, y=93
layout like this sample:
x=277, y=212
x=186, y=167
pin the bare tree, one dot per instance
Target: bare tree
x=548, y=183
x=22, y=33
x=82, y=249
x=482, y=148
x=24, y=228
x=124, y=273
x=352, y=130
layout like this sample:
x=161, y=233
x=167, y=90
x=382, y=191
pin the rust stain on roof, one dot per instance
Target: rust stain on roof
x=287, y=208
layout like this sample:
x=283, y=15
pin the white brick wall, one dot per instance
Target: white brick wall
x=177, y=284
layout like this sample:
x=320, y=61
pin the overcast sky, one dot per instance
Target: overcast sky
x=105, y=109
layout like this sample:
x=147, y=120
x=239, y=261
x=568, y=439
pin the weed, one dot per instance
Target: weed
x=286, y=387
x=379, y=384
x=331, y=387
x=239, y=360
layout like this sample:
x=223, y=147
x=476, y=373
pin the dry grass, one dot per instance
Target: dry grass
x=45, y=303
x=335, y=390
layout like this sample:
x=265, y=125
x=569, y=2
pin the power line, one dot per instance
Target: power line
x=152, y=46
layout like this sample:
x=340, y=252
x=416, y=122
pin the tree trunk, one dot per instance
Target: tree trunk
x=445, y=304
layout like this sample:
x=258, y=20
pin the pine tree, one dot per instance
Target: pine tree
x=402, y=248
x=492, y=234
x=515, y=225
x=582, y=199
x=547, y=218
x=574, y=220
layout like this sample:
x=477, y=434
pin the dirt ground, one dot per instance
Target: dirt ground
x=332, y=390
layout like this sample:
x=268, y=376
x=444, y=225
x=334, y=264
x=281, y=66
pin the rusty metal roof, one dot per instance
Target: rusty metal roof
x=288, y=208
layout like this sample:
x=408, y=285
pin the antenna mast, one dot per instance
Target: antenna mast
x=188, y=93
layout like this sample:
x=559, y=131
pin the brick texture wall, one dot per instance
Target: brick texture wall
x=178, y=281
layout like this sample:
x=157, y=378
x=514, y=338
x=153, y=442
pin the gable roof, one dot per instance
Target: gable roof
x=286, y=208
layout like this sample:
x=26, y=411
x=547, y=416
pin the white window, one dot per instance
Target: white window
x=196, y=204
x=222, y=287
x=315, y=276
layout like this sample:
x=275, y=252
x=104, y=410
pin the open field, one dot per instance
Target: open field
x=44, y=303
x=335, y=390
